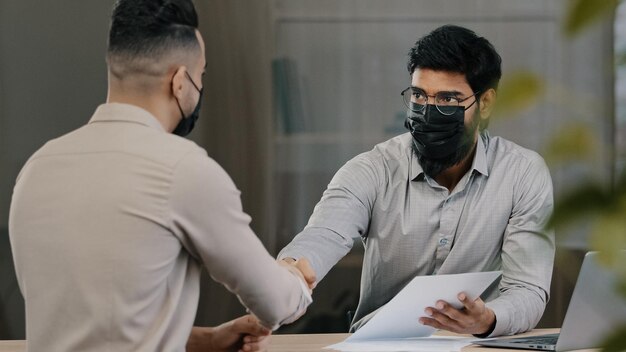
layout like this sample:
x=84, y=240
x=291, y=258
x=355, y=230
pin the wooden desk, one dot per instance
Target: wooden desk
x=12, y=346
x=316, y=342
x=303, y=342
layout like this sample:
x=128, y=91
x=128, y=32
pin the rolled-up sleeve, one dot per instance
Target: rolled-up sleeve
x=207, y=217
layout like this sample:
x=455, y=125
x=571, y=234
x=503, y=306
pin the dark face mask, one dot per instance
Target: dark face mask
x=187, y=123
x=435, y=135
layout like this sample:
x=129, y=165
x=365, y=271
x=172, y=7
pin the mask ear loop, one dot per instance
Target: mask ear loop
x=192, y=82
x=195, y=86
x=182, y=114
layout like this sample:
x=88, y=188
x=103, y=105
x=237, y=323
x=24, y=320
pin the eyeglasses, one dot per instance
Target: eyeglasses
x=447, y=102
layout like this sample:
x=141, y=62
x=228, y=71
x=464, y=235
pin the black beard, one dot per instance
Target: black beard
x=433, y=167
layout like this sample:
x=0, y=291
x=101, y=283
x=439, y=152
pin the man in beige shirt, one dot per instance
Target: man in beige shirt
x=111, y=224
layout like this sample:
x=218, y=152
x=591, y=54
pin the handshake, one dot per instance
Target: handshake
x=301, y=268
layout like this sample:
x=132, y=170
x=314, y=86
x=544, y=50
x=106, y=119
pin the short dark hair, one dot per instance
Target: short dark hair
x=149, y=29
x=457, y=49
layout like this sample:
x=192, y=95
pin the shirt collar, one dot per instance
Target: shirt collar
x=479, y=163
x=417, y=173
x=117, y=112
x=480, y=158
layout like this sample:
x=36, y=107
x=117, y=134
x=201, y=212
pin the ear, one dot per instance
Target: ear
x=177, y=82
x=487, y=103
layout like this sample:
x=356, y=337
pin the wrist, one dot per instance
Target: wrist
x=200, y=338
x=490, y=324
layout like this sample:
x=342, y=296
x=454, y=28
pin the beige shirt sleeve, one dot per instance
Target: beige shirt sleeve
x=207, y=216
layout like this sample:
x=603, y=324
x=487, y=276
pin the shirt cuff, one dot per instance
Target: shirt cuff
x=288, y=254
x=503, y=319
x=304, y=303
x=297, y=254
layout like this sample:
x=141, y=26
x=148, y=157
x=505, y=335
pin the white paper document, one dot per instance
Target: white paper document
x=398, y=320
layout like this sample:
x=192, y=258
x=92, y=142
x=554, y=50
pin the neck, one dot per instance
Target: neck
x=451, y=176
x=157, y=103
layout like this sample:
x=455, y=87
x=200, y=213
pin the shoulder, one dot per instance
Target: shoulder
x=194, y=167
x=391, y=152
x=395, y=148
x=505, y=153
x=521, y=169
x=378, y=165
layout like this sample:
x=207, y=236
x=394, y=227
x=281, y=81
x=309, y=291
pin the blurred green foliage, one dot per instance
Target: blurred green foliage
x=517, y=91
x=615, y=343
x=582, y=13
x=602, y=204
x=574, y=143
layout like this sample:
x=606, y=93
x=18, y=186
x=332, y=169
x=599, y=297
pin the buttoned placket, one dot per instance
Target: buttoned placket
x=450, y=213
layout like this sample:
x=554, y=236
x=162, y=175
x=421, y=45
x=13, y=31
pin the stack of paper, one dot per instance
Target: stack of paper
x=396, y=326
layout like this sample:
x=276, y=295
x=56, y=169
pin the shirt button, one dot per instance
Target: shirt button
x=443, y=241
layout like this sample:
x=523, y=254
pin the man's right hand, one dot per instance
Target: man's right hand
x=303, y=269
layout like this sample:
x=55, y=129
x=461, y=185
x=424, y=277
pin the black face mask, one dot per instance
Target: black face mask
x=436, y=135
x=187, y=123
x=440, y=141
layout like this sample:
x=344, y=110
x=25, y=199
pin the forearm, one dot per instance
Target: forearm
x=322, y=247
x=340, y=217
x=272, y=293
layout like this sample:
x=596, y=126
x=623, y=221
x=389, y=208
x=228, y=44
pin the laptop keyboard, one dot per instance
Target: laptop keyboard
x=541, y=339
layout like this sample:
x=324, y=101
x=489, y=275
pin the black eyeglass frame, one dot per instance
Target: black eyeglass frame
x=434, y=96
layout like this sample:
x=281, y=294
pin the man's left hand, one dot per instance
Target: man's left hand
x=474, y=318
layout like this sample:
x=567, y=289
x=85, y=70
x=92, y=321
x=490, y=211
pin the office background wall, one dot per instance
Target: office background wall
x=53, y=75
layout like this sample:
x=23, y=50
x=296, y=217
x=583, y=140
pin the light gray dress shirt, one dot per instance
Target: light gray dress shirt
x=110, y=226
x=492, y=220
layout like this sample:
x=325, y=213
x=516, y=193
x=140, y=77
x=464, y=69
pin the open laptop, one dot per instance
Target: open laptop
x=594, y=311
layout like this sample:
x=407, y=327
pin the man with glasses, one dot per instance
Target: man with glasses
x=444, y=198
x=111, y=224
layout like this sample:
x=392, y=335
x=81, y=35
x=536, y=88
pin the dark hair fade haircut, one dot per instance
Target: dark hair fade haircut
x=149, y=29
x=457, y=49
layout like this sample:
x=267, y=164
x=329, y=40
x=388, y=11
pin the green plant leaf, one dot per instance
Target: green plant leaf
x=575, y=142
x=518, y=91
x=586, y=200
x=616, y=341
x=582, y=13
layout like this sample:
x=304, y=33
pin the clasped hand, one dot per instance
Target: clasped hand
x=302, y=268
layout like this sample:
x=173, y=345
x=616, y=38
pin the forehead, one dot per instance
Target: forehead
x=432, y=81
